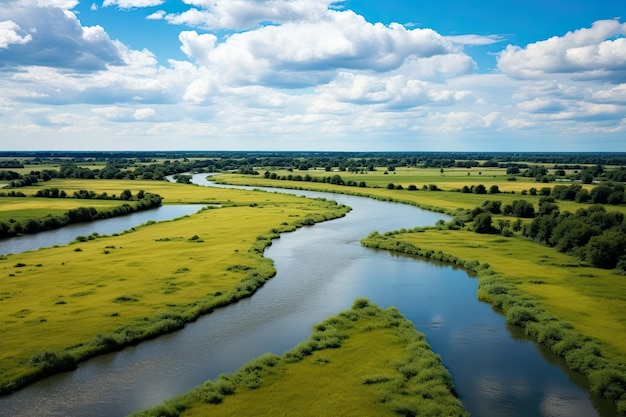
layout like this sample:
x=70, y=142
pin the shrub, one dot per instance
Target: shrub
x=52, y=362
x=608, y=383
x=520, y=315
x=360, y=303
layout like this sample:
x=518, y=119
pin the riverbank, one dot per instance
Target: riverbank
x=544, y=291
x=362, y=361
x=62, y=305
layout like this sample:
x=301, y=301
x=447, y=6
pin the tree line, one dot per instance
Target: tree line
x=143, y=201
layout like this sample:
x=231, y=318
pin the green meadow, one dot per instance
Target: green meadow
x=365, y=361
x=63, y=304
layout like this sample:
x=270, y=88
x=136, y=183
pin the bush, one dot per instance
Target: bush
x=608, y=383
x=51, y=362
x=519, y=316
x=360, y=303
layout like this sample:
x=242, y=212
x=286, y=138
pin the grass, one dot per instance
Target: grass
x=66, y=304
x=575, y=310
x=363, y=361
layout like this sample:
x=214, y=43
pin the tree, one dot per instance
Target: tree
x=480, y=189
x=600, y=194
x=494, y=189
x=519, y=208
x=126, y=195
x=571, y=233
x=604, y=251
x=493, y=207
x=482, y=223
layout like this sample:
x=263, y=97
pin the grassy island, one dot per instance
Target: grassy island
x=362, y=361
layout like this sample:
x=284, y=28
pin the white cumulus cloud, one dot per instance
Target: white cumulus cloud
x=12, y=33
x=309, y=53
x=56, y=38
x=598, y=52
x=248, y=14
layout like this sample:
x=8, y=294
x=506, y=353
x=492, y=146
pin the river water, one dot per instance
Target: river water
x=65, y=235
x=320, y=271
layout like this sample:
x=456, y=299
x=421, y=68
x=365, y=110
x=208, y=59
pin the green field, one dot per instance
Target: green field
x=361, y=362
x=97, y=295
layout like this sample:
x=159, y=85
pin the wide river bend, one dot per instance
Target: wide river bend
x=320, y=271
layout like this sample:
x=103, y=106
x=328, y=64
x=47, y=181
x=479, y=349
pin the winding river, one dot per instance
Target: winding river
x=320, y=271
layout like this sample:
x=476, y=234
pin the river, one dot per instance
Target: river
x=320, y=271
x=64, y=235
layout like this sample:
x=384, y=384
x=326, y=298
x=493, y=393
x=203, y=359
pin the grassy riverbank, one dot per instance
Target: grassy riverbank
x=576, y=311
x=363, y=361
x=64, y=304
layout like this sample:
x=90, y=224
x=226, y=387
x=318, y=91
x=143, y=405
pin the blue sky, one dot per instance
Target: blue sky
x=399, y=75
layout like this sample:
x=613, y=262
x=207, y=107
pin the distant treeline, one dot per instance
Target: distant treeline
x=129, y=165
x=602, y=158
x=143, y=201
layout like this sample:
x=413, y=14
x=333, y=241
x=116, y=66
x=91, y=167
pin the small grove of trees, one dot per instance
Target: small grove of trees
x=331, y=179
x=592, y=234
x=480, y=189
x=125, y=195
x=607, y=193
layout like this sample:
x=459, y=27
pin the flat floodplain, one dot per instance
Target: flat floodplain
x=79, y=298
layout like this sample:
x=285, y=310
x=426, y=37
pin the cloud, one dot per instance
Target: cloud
x=132, y=4
x=542, y=105
x=123, y=113
x=57, y=39
x=309, y=53
x=393, y=92
x=12, y=33
x=141, y=81
x=475, y=40
x=246, y=14
x=144, y=113
x=61, y=4
x=597, y=53
x=158, y=15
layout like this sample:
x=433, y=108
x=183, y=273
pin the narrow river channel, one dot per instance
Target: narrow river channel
x=320, y=270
